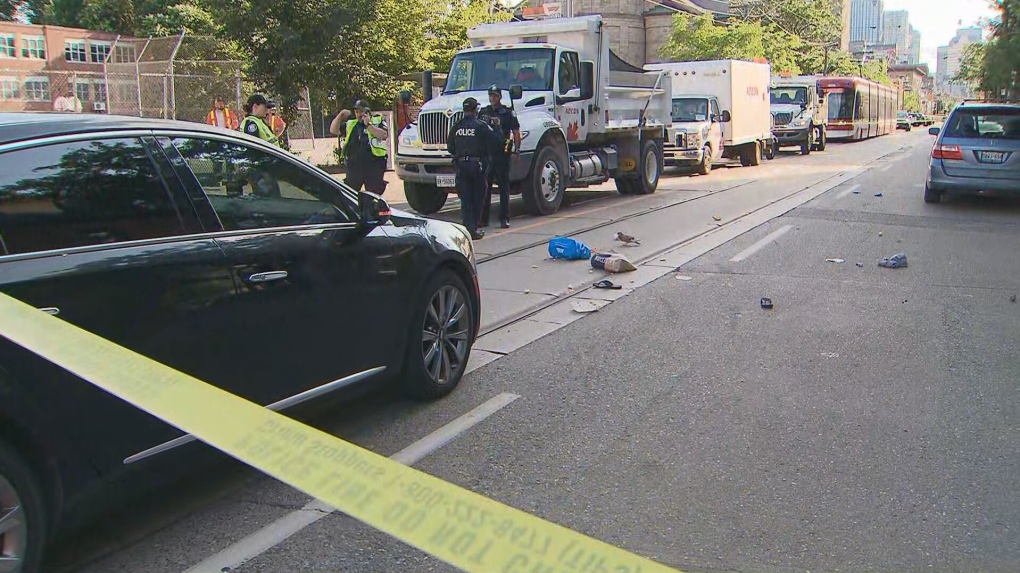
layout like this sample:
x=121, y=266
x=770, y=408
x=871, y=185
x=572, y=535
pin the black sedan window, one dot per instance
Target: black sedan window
x=251, y=189
x=82, y=193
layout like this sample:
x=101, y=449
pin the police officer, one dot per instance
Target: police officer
x=365, y=150
x=504, y=123
x=254, y=122
x=470, y=143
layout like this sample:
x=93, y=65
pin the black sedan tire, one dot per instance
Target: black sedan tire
x=22, y=514
x=442, y=332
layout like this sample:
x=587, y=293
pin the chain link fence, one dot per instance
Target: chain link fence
x=174, y=77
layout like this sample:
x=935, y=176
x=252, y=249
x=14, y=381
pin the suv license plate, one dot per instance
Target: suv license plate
x=446, y=180
x=991, y=157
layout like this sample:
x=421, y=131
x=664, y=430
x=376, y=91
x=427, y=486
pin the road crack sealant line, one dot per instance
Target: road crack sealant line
x=532, y=311
x=453, y=524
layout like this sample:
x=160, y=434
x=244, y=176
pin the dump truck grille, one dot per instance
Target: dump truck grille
x=434, y=127
x=783, y=118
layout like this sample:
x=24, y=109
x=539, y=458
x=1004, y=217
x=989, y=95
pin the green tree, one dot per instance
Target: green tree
x=10, y=10
x=108, y=15
x=817, y=25
x=994, y=66
x=911, y=101
x=701, y=38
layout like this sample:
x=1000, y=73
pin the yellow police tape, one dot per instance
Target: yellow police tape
x=465, y=529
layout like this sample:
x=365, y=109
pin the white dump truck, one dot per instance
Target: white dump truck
x=720, y=109
x=586, y=116
x=800, y=110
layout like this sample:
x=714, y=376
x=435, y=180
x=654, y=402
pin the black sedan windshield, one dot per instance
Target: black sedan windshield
x=476, y=71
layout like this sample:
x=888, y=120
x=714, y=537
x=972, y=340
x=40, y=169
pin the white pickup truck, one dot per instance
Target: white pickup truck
x=720, y=110
x=586, y=116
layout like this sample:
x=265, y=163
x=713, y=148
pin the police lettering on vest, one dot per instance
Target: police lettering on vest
x=465, y=132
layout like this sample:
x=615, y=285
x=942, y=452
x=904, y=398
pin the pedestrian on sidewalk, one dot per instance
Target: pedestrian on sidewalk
x=470, y=143
x=365, y=150
x=505, y=125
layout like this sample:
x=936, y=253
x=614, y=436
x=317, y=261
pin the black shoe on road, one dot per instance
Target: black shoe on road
x=477, y=235
x=505, y=223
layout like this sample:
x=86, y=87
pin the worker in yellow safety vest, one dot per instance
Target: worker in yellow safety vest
x=221, y=115
x=365, y=150
x=254, y=122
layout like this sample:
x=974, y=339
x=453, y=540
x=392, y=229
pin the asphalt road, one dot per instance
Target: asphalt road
x=869, y=422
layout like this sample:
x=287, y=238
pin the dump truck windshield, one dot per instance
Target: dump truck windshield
x=476, y=71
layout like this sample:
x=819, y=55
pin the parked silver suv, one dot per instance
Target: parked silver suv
x=977, y=151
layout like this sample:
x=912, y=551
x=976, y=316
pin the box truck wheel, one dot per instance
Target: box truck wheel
x=649, y=169
x=705, y=167
x=755, y=153
x=543, y=192
x=771, y=150
x=424, y=198
x=809, y=143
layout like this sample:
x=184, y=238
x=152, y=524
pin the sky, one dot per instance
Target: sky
x=937, y=20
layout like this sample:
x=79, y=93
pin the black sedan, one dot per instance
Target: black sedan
x=216, y=254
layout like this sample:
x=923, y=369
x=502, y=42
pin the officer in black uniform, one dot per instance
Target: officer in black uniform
x=504, y=123
x=470, y=143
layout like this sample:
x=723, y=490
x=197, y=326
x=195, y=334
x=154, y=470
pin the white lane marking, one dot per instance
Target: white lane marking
x=278, y=531
x=761, y=244
x=848, y=191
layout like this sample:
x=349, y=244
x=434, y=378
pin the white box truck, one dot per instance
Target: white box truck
x=586, y=116
x=720, y=110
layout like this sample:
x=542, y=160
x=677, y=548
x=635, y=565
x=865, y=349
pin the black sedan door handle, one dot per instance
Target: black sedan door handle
x=267, y=277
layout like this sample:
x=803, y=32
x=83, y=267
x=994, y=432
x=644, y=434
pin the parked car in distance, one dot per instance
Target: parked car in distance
x=916, y=119
x=903, y=121
x=214, y=253
x=976, y=151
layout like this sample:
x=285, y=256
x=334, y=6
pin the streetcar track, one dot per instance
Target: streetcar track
x=556, y=299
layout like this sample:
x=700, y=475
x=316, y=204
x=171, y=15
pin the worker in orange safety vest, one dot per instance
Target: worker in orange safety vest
x=221, y=115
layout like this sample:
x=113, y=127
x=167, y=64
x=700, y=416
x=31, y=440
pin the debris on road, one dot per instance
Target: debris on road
x=766, y=303
x=837, y=261
x=534, y=266
x=859, y=265
x=584, y=306
x=626, y=239
x=612, y=262
x=568, y=249
x=896, y=261
x=527, y=291
x=856, y=191
x=879, y=194
x=716, y=218
x=1012, y=298
x=608, y=284
x=684, y=278
x=880, y=233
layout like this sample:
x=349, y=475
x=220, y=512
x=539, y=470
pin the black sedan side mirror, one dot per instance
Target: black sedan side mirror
x=373, y=209
x=933, y=131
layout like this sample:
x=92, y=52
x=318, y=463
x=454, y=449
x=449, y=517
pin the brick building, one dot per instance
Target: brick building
x=38, y=64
